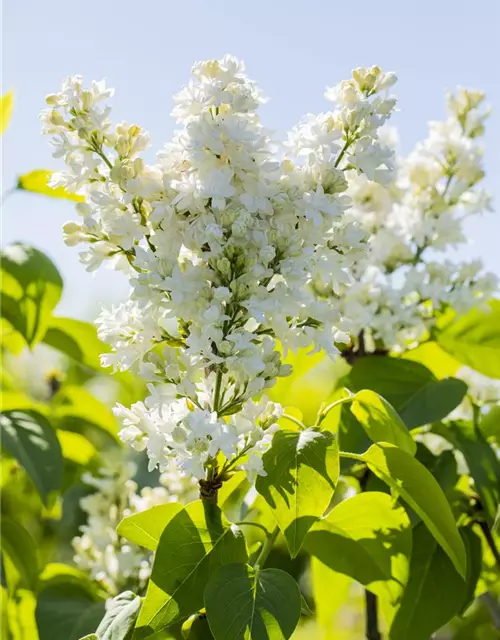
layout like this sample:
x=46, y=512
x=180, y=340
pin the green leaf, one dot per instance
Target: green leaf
x=20, y=547
x=416, y=486
x=21, y=616
x=243, y=603
x=432, y=356
x=76, y=448
x=331, y=592
x=66, y=611
x=37, y=181
x=192, y=546
x=196, y=628
x=79, y=341
x=380, y=421
x=31, y=288
x=474, y=339
x=409, y=387
x=29, y=438
x=433, y=402
x=57, y=573
x=442, y=466
x=145, y=528
x=90, y=636
x=483, y=464
x=367, y=537
x=6, y=106
x=394, y=379
x=490, y=424
x=434, y=594
x=76, y=409
x=474, y=564
x=302, y=470
x=120, y=617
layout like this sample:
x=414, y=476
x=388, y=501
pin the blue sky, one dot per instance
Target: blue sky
x=293, y=49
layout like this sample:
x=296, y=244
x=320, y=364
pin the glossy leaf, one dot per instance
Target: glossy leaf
x=416, y=486
x=367, y=537
x=302, y=470
x=247, y=604
x=433, y=402
x=474, y=339
x=31, y=440
x=37, y=181
x=66, y=611
x=119, y=619
x=484, y=466
x=434, y=594
x=192, y=546
x=394, y=379
x=31, y=288
x=145, y=528
x=20, y=547
x=380, y=421
x=6, y=107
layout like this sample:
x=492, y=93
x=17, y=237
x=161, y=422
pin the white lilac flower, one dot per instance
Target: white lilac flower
x=229, y=241
x=99, y=551
x=482, y=392
x=400, y=285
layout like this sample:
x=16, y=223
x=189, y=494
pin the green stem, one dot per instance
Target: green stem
x=218, y=384
x=266, y=549
x=346, y=146
x=324, y=412
x=300, y=424
x=253, y=524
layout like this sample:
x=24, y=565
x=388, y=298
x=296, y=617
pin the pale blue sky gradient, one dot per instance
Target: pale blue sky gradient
x=293, y=49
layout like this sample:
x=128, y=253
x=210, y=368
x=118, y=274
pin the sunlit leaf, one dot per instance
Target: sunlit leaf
x=367, y=537
x=19, y=546
x=474, y=339
x=192, y=546
x=145, y=528
x=380, y=421
x=483, y=464
x=37, y=182
x=302, y=469
x=416, y=486
x=29, y=438
x=76, y=448
x=6, y=106
x=31, y=288
x=434, y=594
x=242, y=602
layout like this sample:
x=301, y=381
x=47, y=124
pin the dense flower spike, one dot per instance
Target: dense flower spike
x=228, y=245
x=400, y=286
x=112, y=561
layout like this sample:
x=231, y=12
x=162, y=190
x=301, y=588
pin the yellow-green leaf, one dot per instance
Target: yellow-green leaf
x=417, y=486
x=76, y=447
x=37, y=181
x=6, y=105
